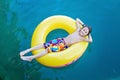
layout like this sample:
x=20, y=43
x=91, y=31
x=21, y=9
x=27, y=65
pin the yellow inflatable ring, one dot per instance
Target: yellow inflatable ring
x=62, y=58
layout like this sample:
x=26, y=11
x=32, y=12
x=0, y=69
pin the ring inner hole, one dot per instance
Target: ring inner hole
x=57, y=33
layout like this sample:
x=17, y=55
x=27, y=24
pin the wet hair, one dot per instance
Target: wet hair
x=90, y=29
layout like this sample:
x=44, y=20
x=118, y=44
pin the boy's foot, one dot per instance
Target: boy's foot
x=26, y=58
x=23, y=52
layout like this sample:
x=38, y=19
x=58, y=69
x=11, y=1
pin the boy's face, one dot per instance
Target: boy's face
x=84, y=31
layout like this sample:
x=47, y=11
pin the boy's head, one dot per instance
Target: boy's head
x=85, y=31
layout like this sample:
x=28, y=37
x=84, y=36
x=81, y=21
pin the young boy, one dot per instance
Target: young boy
x=60, y=44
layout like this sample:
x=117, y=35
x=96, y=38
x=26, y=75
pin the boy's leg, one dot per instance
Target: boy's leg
x=30, y=58
x=31, y=49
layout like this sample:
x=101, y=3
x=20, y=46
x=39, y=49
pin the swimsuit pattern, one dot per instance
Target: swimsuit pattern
x=55, y=45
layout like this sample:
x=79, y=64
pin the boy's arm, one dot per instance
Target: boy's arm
x=89, y=39
x=77, y=25
x=78, y=22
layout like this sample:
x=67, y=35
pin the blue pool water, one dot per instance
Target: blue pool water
x=19, y=18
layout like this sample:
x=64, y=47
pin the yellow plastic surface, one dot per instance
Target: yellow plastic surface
x=62, y=58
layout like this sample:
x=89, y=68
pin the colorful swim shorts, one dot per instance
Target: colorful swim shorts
x=55, y=45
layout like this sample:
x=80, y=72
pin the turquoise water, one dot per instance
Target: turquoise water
x=19, y=18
